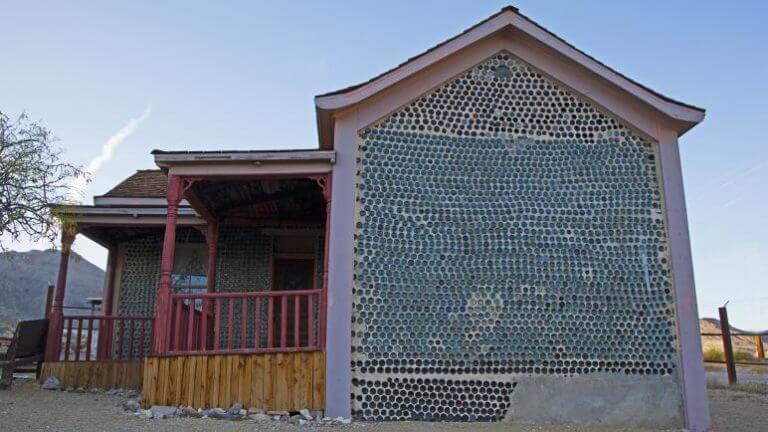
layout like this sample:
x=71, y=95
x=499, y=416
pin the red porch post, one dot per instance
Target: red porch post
x=327, y=194
x=53, y=344
x=105, y=326
x=213, y=246
x=163, y=300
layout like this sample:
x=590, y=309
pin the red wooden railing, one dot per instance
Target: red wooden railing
x=245, y=322
x=196, y=340
x=105, y=338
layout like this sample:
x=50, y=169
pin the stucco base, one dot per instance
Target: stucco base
x=653, y=402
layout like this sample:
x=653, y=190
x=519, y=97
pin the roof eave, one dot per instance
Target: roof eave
x=685, y=115
x=87, y=210
x=165, y=159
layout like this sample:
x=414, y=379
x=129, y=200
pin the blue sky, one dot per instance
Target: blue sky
x=242, y=75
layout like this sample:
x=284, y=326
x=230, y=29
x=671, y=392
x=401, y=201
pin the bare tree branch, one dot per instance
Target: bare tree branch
x=33, y=179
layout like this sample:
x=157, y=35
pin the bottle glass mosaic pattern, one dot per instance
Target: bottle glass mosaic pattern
x=504, y=227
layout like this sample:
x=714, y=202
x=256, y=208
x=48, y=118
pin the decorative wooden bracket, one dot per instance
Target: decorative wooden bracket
x=187, y=182
x=204, y=230
x=324, y=181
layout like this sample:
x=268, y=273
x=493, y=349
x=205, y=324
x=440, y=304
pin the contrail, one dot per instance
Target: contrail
x=107, y=150
x=731, y=179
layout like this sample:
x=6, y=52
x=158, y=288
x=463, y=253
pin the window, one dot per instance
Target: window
x=293, y=274
x=190, y=268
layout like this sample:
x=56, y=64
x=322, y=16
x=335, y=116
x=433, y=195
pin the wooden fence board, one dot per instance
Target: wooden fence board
x=281, y=381
x=266, y=378
x=318, y=380
x=103, y=375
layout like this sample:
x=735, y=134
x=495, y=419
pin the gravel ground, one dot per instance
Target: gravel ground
x=27, y=408
x=744, y=373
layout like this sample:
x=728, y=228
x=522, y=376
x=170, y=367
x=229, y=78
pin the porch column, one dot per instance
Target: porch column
x=163, y=300
x=105, y=326
x=327, y=194
x=55, y=325
x=213, y=247
x=212, y=237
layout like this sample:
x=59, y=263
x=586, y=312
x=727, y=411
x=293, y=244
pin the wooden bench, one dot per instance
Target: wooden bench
x=27, y=348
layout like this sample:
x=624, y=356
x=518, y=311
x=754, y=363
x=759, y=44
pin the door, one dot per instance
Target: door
x=293, y=275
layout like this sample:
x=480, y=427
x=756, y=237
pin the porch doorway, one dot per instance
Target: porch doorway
x=294, y=269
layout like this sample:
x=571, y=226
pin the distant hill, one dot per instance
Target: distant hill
x=712, y=325
x=24, y=277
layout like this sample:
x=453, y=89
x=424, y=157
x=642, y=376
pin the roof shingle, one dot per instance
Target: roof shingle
x=142, y=184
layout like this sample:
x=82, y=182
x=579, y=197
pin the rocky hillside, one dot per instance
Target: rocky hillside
x=24, y=277
x=740, y=343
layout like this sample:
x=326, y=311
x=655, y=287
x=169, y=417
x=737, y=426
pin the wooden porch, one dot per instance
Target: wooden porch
x=268, y=381
x=262, y=348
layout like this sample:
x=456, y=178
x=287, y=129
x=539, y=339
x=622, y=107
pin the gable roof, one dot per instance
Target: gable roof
x=508, y=17
x=142, y=184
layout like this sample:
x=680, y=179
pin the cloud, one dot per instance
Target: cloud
x=107, y=150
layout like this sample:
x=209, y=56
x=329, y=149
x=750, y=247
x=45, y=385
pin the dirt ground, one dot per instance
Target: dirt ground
x=27, y=408
x=747, y=374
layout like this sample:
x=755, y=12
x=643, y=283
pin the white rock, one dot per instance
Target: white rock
x=259, y=417
x=306, y=414
x=131, y=405
x=235, y=409
x=343, y=420
x=161, y=411
x=52, y=383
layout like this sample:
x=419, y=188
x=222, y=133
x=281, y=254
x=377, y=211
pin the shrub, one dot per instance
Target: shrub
x=741, y=355
x=713, y=354
x=716, y=354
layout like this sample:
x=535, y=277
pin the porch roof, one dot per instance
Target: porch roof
x=107, y=225
x=235, y=163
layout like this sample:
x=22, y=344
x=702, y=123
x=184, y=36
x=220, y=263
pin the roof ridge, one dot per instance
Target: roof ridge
x=517, y=12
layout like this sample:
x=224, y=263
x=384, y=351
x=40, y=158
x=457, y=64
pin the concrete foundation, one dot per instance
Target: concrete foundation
x=637, y=401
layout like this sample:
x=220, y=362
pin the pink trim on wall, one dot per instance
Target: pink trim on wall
x=338, y=342
x=693, y=378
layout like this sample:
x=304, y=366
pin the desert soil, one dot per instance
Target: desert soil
x=747, y=374
x=28, y=408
